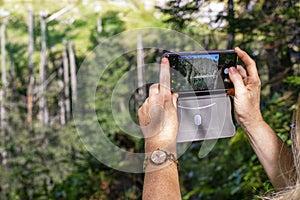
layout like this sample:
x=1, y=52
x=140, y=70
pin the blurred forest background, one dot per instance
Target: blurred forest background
x=43, y=43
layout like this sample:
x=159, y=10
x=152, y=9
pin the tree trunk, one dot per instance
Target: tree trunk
x=44, y=115
x=12, y=87
x=141, y=92
x=231, y=25
x=66, y=81
x=3, y=78
x=30, y=68
x=99, y=28
x=206, y=41
x=62, y=112
x=140, y=64
x=73, y=72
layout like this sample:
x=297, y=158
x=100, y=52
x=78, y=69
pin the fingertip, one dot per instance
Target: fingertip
x=248, y=61
x=232, y=70
x=239, y=67
x=237, y=81
x=239, y=52
x=236, y=49
x=164, y=77
x=233, y=74
x=164, y=61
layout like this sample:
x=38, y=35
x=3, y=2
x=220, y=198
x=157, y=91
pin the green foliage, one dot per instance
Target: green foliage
x=179, y=13
x=51, y=162
x=112, y=25
x=293, y=80
x=230, y=171
x=35, y=159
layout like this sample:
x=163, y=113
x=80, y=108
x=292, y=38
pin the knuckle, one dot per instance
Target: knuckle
x=153, y=98
x=140, y=111
x=154, y=85
x=258, y=82
x=166, y=96
x=252, y=62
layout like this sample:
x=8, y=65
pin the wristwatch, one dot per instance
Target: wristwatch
x=159, y=157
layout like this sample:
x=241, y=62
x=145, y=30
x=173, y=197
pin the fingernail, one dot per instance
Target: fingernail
x=164, y=60
x=232, y=70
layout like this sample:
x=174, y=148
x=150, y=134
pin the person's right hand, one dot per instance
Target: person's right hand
x=247, y=91
x=158, y=115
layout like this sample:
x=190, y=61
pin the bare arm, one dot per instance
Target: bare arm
x=162, y=184
x=273, y=154
x=159, y=123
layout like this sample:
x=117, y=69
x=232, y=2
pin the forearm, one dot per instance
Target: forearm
x=162, y=184
x=275, y=156
x=159, y=123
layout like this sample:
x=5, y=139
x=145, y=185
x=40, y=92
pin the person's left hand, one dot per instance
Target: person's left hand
x=158, y=115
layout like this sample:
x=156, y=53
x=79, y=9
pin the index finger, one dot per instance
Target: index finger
x=164, y=77
x=249, y=62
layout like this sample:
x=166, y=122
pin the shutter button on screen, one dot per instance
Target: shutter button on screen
x=197, y=120
x=226, y=71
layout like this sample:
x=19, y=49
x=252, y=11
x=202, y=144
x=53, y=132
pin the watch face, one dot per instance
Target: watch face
x=158, y=157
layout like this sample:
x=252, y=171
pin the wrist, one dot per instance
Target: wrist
x=165, y=140
x=248, y=121
x=159, y=159
x=169, y=146
x=251, y=127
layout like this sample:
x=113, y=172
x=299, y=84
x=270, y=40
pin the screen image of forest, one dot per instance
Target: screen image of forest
x=201, y=72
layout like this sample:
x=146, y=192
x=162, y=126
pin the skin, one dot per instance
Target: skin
x=274, y=155
x=159, y=123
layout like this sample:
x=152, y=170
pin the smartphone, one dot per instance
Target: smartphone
x=201, y=72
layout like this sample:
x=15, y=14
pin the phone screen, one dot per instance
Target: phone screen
x=201, y=71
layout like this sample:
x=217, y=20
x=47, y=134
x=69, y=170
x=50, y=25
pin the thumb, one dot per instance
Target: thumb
x=236, y=79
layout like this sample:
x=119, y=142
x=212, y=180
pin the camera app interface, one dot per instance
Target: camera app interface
x=201, y=72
